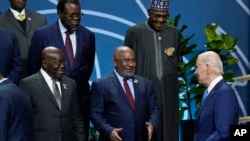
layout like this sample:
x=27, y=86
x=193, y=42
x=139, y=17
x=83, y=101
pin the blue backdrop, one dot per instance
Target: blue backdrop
x=109, y=20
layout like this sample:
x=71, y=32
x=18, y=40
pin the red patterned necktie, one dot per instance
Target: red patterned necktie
x=69, y=49
x=129, y=94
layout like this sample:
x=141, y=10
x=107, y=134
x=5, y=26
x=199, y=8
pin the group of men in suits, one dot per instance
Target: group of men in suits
x=32, y=36
x=23, y=29
x=59, y=93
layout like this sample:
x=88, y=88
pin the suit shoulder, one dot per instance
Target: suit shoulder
x=47, y=28
x=31, y=77
x=137, y=27
x=103, y=79
x=68, y=79
x=85, y=30
x=171, y=28
x=38, y=15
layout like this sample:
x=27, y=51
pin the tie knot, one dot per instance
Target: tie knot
x=206, y=92
x=125, y=79
x=68, y=32
x=55, y=80
x=21, y=17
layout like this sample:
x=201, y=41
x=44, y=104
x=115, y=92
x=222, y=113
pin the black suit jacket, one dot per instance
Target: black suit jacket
x=51, y=124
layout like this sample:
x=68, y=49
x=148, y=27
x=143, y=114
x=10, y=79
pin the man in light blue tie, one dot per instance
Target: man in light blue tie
x=220, y=108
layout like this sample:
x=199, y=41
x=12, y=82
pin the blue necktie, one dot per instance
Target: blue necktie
x=204, y=95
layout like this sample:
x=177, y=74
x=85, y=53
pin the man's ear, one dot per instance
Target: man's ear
x=44, y=64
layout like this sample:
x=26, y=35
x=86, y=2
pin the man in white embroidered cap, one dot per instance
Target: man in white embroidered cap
x=157, y=49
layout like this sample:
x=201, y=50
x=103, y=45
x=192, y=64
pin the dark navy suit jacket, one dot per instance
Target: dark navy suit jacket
x=10, y=58
x=16, y=114
x=219, y=110
x=50, y=35
x=110, y=108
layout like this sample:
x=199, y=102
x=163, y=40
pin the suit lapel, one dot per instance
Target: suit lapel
x=78, y=50
x=42, y=84
x=136, y=90
x=120, y=89
x=210, y=96
x=12, y=20
x=28, y=20
x=61, y=44
x=65, y=93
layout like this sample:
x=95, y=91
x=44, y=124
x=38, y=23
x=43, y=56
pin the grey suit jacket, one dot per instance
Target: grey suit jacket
x=34, y=20
x=51, y=123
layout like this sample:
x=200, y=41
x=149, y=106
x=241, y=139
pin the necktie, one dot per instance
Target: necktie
x=129, y=94
x=204, y=96
x=56, y=93
x=69, y=49
x=21, y=17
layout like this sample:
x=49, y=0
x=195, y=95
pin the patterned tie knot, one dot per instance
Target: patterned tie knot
x=68, y=32
x=21, y=17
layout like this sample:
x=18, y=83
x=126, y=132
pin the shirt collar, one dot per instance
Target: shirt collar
x=62, y=28
x=45, y=75
x=3, y=80
x=214, y=82
x=16, y=13
x=120, y=77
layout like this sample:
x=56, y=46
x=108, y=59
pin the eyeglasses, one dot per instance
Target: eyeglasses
x=58, y=63
x=158, y=16
x=74, y=15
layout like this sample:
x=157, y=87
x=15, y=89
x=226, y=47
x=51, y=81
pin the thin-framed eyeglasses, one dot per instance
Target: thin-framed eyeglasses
x=74, y=15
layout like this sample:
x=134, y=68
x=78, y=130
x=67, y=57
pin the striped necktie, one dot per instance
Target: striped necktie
x=56, y=93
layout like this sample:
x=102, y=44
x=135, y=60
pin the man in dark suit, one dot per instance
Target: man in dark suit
x=53, y=96
x=220, y=106
x=24, y=28
x=16, y=115
x=80, y=60
x=115, y=114
x=10, y=58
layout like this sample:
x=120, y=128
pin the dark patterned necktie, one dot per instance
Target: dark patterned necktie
x=56, y=93
x=129, y=94
x=69, y=49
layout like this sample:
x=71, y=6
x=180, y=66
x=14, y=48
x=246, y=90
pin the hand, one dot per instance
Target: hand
x=114, y=136
x=150, y=130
